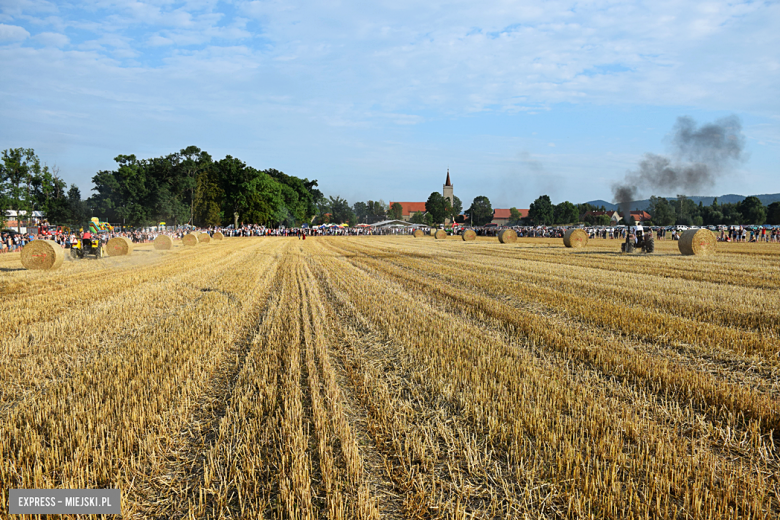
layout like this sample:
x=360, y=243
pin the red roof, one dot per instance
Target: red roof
x=506, y=213
x=640, y=215
x=411, y=207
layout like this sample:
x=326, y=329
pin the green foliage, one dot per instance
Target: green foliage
x=603, y=220
x=341, y=213
x=417, y=218
x=541, y=211
x=773, y=214
x=438, y=207
x=480, y=212
x=189, y=186
x=455, y=210
x=753, y=212
x=662, y=212
x=566, y=213
x=396, y=211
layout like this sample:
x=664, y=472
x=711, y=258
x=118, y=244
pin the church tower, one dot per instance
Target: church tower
x=447, y=191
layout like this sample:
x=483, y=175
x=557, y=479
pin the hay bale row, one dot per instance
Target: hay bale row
x=507, y=236
x=217, y=236
x=469, y=235
x=42, y=254
x=575, y=238
x=190, y=239
x=440, y=234
x=418, y=233
x=204, y=238
x=119, y=246
x=700, y=242
x=163, y=243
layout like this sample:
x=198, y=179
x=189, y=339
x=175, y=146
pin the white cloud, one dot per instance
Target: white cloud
x=50, y=39
x=12, y=33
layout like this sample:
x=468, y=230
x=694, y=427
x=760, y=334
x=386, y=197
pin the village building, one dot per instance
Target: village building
x=502, y=217
x=410, y=208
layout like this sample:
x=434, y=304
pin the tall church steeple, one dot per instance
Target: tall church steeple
x=447, y=191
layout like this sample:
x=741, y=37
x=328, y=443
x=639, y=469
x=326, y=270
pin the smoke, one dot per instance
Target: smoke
x=699, y=157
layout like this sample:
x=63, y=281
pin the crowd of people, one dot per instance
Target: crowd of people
x=10, y=241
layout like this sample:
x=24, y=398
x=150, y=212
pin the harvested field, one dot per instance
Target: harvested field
x=384, y=377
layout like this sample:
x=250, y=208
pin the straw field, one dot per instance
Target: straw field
x=388, y=377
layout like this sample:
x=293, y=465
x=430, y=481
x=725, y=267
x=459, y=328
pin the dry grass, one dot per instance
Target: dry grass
x=382, y=377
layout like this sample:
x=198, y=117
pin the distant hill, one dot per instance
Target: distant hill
x=642, y=205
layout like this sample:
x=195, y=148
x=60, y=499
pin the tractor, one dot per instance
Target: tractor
x=644, y=240
x=84, y=247
x=92, y=246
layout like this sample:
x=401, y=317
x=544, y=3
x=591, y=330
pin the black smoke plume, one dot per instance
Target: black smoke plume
x=699, y=156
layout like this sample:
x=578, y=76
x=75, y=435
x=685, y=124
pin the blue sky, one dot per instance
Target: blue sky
x=377, y=99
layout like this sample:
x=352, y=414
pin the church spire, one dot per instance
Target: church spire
x=448, y=183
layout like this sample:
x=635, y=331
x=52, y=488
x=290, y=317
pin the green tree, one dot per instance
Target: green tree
x=437, y=207
x=361, y=211
x=77, y=209
x=514, y=216
x=396, y=211
x=773, y=214
x=340, y=210
x=661, y=211
x=417, y=218
x=376, y=211
x=455, y=210
x=541, y=211
x=752, y=210
x=480, y=212
x=18, y=167
x=565, y=213
x=603, y=220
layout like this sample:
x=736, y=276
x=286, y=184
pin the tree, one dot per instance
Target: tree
x=565, y=213
x=773, y=214
x=541, y=211
x=661, y=211
x=417, y=218
x=340, y=210
x=396, y=211
x=18, y=167
x=77, y=208
x=480, y=212
x=752, y=210
x=361, y=211
x=437, y=207
x=454, y=210
x=514, y=216
x=603, y=220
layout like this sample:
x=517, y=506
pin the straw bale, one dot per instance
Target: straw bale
x=697, y=242
x=440, y=234
x=575, y=238
x=217, y=236
x=190, y=239
x=507, y=236
x=469, y=234
x=163, y=243
x=42, y=254
x=119, y=246
x=204, y=238
x=418, y=233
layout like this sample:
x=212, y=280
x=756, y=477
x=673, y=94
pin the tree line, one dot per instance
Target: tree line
x=190, y=187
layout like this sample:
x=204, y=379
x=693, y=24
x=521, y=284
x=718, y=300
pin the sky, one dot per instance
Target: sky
x=376, y=100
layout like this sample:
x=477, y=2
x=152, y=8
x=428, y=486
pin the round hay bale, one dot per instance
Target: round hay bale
x=440, y=234
x=507, y=236
x=697, y=242
x=119, y=246
x=204, y=238
x=42, y=254
x=190, y=239
x=163, y=243
x=575, y=238
x=217, y=236
x=468, y=235
x=418, y=233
